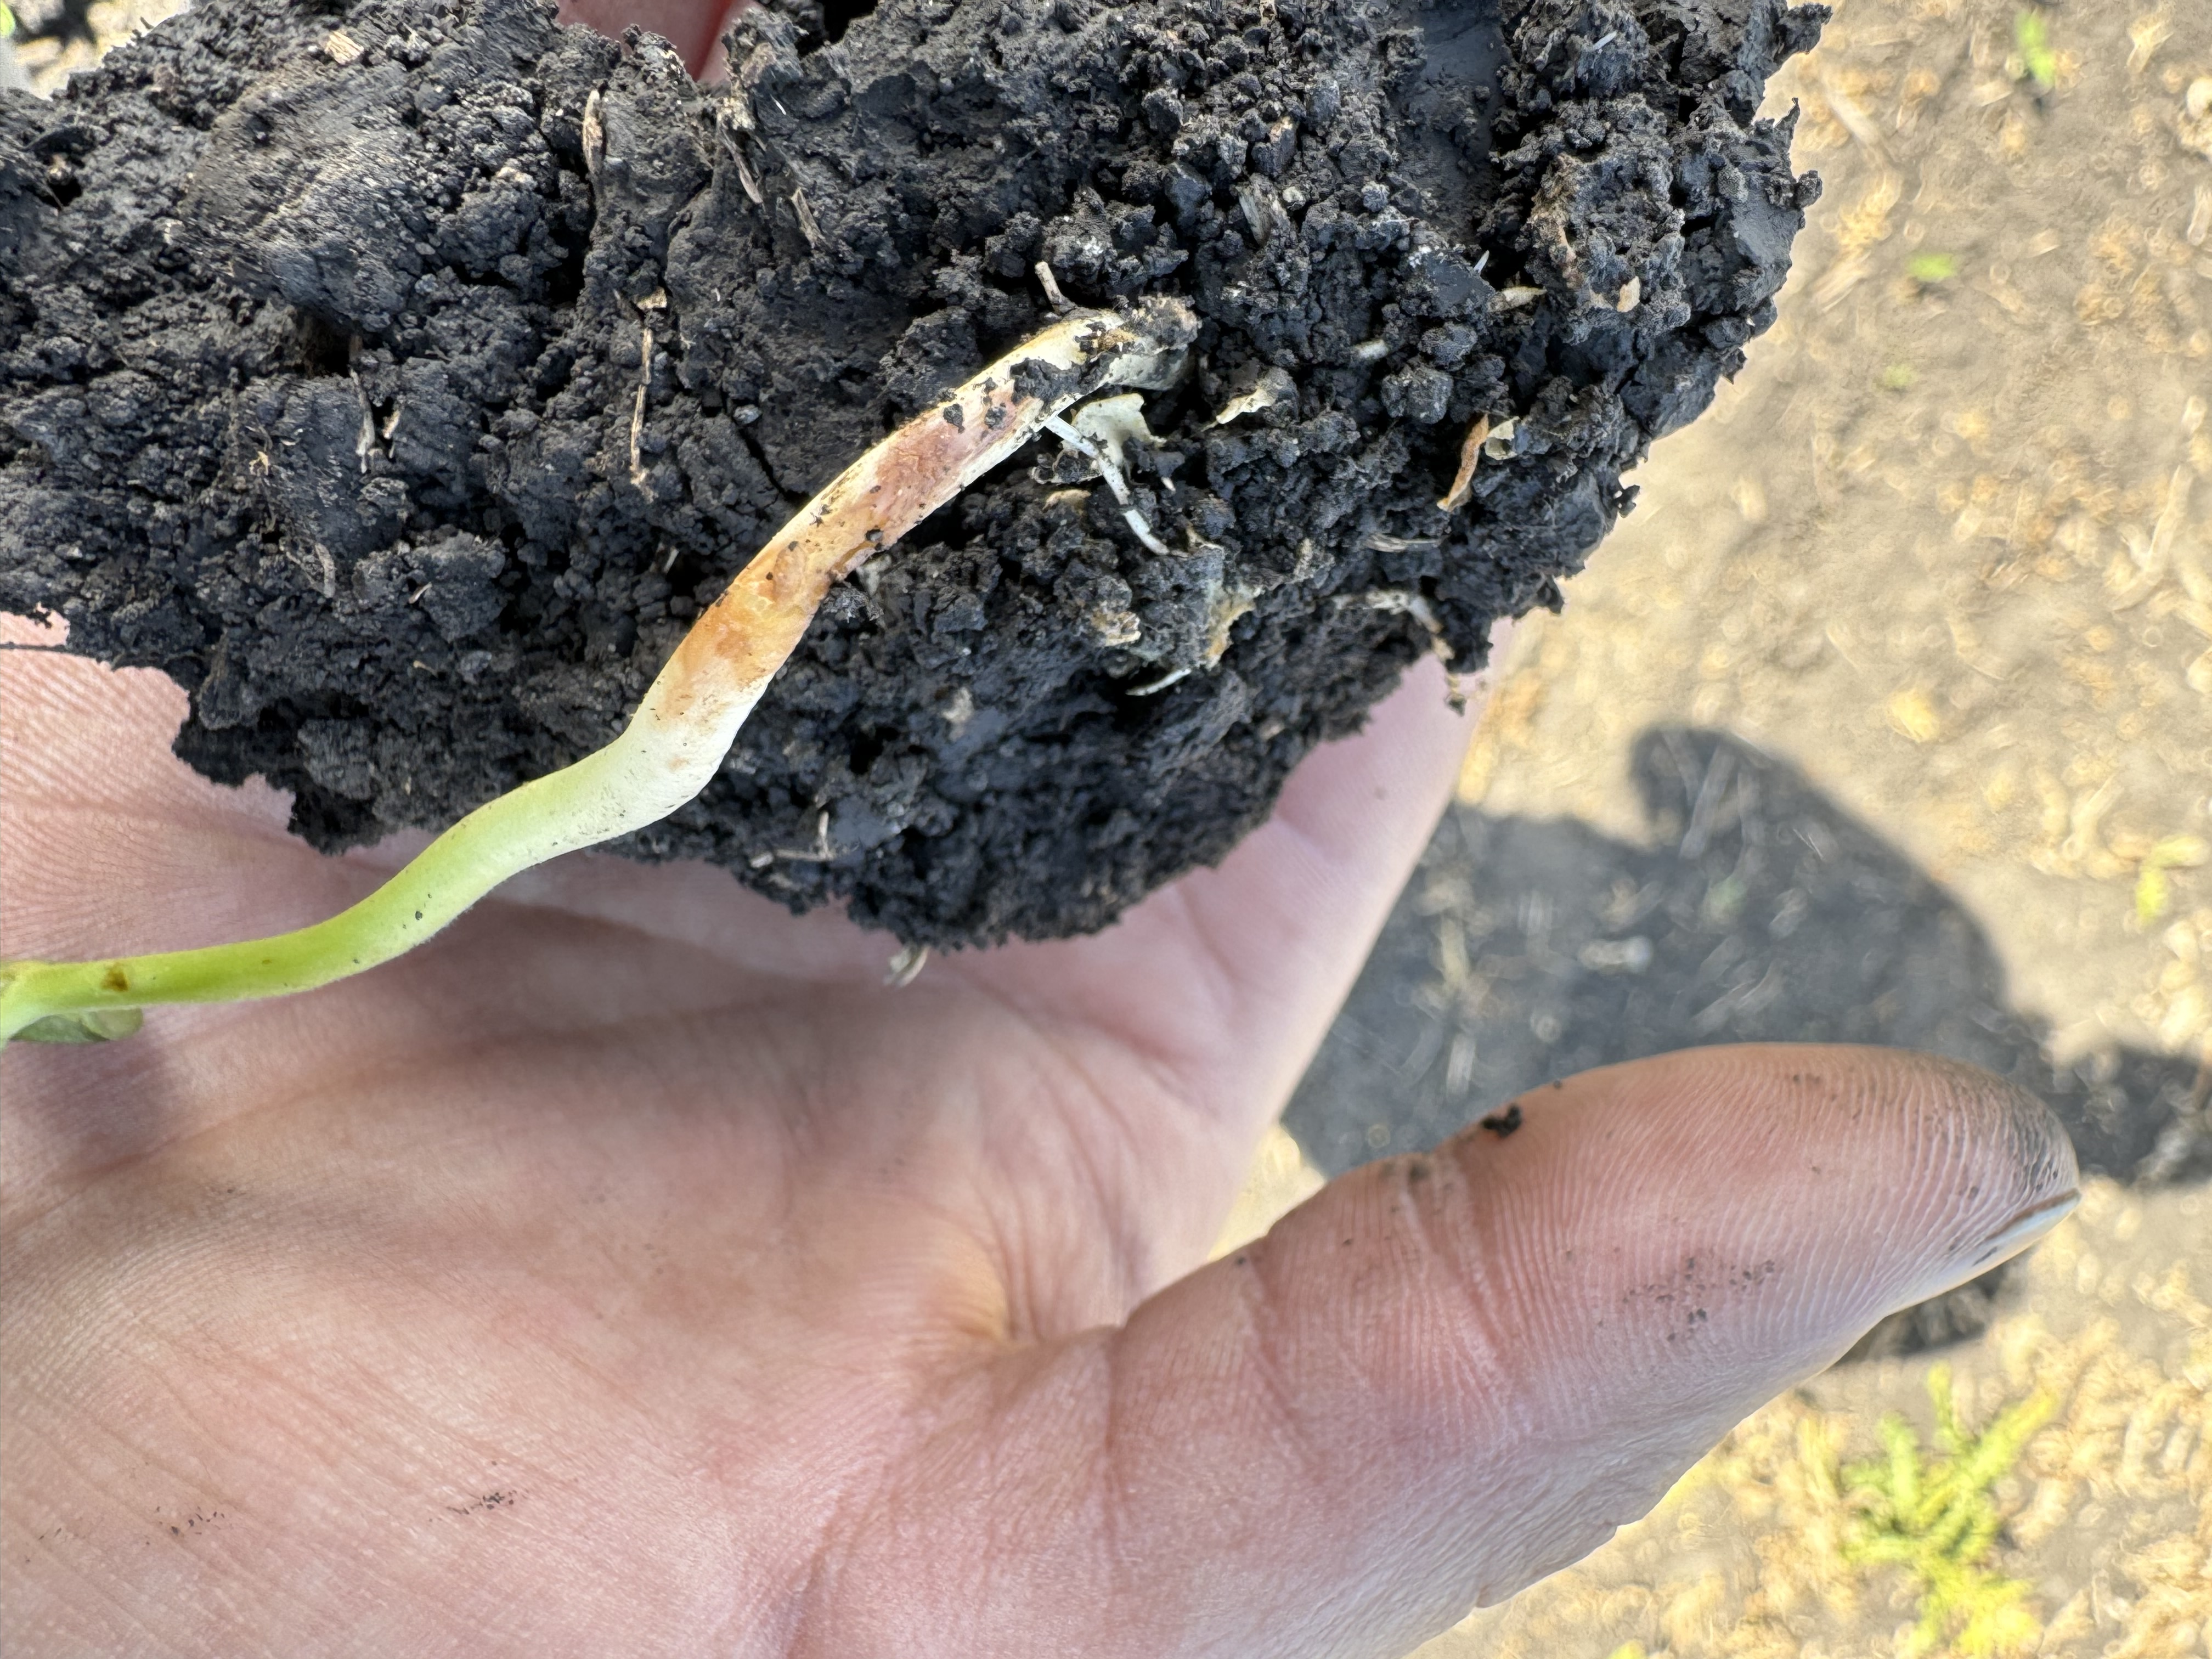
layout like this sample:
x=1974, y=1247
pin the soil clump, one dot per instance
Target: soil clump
x=402, y=377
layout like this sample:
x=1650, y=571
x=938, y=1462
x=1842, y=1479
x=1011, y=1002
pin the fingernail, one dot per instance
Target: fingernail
x=2001, y=1246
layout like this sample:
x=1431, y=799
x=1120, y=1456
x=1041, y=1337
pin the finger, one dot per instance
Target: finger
x=1447, y=1376
x=694, y=28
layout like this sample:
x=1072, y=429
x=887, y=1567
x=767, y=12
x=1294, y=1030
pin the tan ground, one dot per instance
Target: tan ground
x=47, y=62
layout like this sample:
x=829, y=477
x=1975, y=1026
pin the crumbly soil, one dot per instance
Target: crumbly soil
x=402, y=378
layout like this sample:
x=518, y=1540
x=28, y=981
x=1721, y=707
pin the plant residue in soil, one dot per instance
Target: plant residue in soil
x=402, y=378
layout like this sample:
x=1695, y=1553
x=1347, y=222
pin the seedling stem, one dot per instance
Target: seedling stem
x=675, y=742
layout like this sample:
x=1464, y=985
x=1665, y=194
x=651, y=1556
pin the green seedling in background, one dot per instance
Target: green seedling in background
x=1898, y=377
x=1935, y=1519
x=2154, y=892
x=1929, y=269
x=2031, y=53
x=7, y=23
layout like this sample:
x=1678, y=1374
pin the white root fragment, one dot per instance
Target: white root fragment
x=1273, y=389
x=1500, y=444
x=1114, y=423
x=341, y=48
x=1161, y=684
x=1105, y=456
x=364, y=443
x=905, y=967
x=655, y=301
x=745, y=178
x=595, y=139
x=637, y=476
x=1470, y=454
x=1631, y=294
x=737, y=155
x=805, y=212
x=820, y=853
x=1368, y=351
x=1512, y=298
x=1050, y=284
x=1399, y=602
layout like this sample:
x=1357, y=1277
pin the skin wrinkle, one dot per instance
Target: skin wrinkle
x=1114, y=1485
x=1131, y=1271
x=1136, y=1271
x=1261, y=1302
x=1509, y=1253
x=1213, y=974
x=1025, y=1315
x=1468, y=1284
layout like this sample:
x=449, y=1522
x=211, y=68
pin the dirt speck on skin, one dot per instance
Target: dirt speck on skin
x=324, y=335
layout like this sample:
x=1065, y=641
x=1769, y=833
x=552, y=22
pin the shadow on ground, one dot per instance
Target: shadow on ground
x=1527, y=948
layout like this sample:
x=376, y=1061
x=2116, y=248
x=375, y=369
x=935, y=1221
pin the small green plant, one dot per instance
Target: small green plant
x=1897, y=377
x=7, y=21
x=1929, y=269
x=1935, y=1519
x=2154, y=892
x=2033, y=60
x=674, y=742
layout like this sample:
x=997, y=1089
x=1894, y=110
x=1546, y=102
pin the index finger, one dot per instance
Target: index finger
x=694, y=28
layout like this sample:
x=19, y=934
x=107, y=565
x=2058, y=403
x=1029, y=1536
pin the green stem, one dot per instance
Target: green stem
x=676, y=741
x=559, y=813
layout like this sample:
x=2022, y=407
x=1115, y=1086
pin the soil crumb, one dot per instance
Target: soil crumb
x=402, y=378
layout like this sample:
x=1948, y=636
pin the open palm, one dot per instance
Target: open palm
x=631, y=1271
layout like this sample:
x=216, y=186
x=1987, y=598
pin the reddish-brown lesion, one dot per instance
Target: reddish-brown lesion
x=749, y=631
x=744, y=637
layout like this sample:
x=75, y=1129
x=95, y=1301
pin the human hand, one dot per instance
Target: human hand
x=630, y=1271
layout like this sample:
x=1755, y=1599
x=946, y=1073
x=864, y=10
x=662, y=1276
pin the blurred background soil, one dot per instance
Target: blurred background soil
x=1886, y=718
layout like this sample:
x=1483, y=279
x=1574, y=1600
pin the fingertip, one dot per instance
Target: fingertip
x=1482, y=1361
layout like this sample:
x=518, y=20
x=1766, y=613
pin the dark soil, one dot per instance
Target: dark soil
x=321, y=337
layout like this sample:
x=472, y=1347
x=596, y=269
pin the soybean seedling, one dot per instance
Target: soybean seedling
x=1934, y=1518
x=675, y=741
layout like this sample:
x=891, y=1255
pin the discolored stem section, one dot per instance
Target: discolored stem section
x=675, y=742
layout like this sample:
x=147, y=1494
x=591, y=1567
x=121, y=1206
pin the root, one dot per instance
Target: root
x=682, y=727
x=1100, y=455
x=1470, y=454
x=1404, y=603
